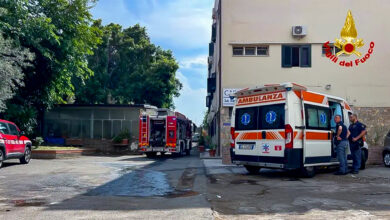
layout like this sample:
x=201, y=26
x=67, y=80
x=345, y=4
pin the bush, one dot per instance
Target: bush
x=37, y=141
x=201, y=140
x=24, y=116
x=124, y=134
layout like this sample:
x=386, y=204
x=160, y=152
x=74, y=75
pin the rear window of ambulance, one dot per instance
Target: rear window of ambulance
x=266, y=117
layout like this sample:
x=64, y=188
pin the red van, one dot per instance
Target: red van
x=13, y=144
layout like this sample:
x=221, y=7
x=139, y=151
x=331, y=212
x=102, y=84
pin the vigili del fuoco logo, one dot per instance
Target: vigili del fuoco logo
x=349, y=44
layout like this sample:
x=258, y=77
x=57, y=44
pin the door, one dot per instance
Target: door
x=9, y=139
x=336, y=109
x=261, y=131
x=318, y=136
x=15, y=135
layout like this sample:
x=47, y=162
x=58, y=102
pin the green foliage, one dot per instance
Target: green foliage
x=24, y=116
x=208, y=140
x=58, y=32
x=205, y=125
x=129, y=69
x=202, y=140
x=69, y=48
x=212, y=146
x=38, y=141
x=124, y=134
x=12, y=61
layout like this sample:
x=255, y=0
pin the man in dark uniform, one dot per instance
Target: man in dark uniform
x=341, y=143
x=357, y=130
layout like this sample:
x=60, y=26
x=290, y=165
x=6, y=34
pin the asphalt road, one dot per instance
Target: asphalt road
x=134, y=187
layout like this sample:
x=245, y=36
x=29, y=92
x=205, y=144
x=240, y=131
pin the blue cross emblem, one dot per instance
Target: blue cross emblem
x=323, y=118
x=245, y=119
x=270, y=117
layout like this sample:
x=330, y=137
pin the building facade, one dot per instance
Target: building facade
x=257, y=42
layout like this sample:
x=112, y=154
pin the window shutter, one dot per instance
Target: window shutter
x=286, y=56
x=214, y=33
x=305, y=54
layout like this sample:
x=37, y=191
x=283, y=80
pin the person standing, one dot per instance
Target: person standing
x=341, y=143
x=357, y=130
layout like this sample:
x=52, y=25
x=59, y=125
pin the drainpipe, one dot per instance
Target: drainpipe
x=220, y=77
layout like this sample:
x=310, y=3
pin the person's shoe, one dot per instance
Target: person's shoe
x=355, y=172
x=339, y=173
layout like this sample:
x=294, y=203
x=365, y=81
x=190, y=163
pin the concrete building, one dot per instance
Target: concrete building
x=254, y=43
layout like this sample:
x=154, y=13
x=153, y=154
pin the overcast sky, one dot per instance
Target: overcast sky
x=183, y=26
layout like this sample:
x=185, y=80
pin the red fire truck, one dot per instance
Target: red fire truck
x=166, y=132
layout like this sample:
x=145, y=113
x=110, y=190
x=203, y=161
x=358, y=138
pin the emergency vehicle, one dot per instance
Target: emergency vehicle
x=286, y=126
x=166, y=132
x=13, y=144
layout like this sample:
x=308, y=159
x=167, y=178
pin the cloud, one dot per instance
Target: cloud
x=192, y=102
x=194, y=62
x=177, y=23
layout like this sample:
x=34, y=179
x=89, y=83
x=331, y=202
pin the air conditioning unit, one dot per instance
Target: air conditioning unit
x=299, y=31
x=210, y=60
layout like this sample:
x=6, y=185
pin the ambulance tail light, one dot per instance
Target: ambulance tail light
x=289, y=137
x=233, y=141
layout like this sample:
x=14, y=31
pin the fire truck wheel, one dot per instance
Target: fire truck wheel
x=182, y=152
x=151, y=154
x=252, y=169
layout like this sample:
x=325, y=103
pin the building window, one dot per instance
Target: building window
x=317, y=118
x=251, y=51
x=325, y=49
x=333, y=49
x=262, y=51
x=238, y=51
x=296, y=55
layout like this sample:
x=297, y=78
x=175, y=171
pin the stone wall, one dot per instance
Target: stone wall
x=377, y=120
x=375, y=155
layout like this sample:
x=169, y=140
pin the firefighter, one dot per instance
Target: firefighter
x=357, y=130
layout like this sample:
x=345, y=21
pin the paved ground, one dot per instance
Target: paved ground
x=124, y=187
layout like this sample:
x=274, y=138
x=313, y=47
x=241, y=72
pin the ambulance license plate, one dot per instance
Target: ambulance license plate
x=246, y=146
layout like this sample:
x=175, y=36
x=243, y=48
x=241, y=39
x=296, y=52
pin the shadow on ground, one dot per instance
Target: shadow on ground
x=147, y=188
x=10, y=164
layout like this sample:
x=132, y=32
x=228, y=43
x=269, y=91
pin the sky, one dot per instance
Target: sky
x=183, y=26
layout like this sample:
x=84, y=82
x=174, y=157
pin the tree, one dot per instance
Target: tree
x=12, y=61
x=60, y=35
x=129, y=69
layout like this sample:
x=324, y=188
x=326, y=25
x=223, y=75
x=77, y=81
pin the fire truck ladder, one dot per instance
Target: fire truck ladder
x=144, y=130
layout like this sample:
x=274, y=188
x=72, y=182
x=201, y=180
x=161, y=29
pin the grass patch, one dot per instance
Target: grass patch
x=57, y=148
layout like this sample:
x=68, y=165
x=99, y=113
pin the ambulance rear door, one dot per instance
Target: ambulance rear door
x=260, y=129
x=317, y=134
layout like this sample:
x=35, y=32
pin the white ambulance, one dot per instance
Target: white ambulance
x=285, y=126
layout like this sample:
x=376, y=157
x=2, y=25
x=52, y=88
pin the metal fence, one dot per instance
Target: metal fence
x=91, y=122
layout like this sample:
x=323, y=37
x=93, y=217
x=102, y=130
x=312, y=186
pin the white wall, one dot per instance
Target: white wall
x=270, y=21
